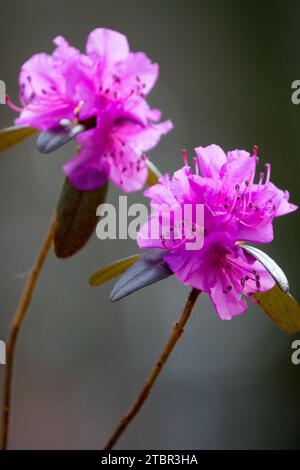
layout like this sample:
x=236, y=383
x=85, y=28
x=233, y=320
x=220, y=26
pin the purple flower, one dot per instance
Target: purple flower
x=236, y=209
x=104, y=89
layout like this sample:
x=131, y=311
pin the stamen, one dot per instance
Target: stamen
x=255, y=149
x=129, y=95
x=196, y=165
x=78, y=108
x=185, y=161
x=232, y=207
x=261, y=178
x=254, y=224
x=12, y=105
x=268, y=167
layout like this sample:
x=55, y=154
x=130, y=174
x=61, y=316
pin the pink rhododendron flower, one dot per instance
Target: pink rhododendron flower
x=236, y=209
x=104, y=88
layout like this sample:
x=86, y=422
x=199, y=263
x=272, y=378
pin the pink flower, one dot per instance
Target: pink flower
x=236, y=209
x=104, y=89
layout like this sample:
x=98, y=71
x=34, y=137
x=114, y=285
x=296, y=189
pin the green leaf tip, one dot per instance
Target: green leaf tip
x=11, y=136
x=112, y=270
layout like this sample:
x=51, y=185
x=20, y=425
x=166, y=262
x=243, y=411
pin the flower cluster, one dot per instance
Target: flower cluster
x=104, y=89
x=236, y=209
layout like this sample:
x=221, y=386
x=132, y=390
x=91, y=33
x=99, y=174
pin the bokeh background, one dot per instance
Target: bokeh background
x=225, y=77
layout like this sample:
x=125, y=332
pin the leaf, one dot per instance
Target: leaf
x=112, y=270
x=11, y=136
x=76, y=218
x=147, y=270
x=56, y=136
x=281, y=307
x=270, y=265
x=153, y=174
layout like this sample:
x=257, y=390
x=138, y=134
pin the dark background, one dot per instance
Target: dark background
x=226, y=69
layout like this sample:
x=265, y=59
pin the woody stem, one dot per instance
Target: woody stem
x=175, y=336
x=16, y=326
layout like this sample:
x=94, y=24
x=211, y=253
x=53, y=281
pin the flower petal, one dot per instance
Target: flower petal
x=63, y=50
x=138, y=73
x=128, y=171
x=85, y=171
x=227, y=305
x=108, y=45
x=39, y=74
x=240, y=167
x=41, y=84
x=144, y=138
x=211, y=159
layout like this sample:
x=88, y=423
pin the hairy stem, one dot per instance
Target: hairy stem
x=15, y=328
x=175, y=336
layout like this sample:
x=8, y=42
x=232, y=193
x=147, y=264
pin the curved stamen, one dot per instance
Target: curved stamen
x=261, y=178
x=78, y=108
x=12, y=105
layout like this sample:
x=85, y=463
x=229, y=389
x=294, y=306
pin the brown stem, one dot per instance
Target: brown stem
x=175, y=336
x=15, y=328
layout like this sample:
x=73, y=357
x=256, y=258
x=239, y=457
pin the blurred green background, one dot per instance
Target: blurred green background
x=226, y=69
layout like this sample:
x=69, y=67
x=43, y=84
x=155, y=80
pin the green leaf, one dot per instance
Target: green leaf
x=112, y=270
x=281, y=307
x=153, y=174
x=11, y=136
x=76, y=218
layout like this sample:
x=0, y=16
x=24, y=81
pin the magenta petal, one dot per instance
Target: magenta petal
x=138, y=72
x=85, y=172
x=211, y=159
x=262, y=233
x=282, y=202
x=227, y=305
x=130, y=171
x=146, y=239
x=41, y=83
x=190, y=267
x=240, y=167
x=63, y=50
x=39, y=74
x=109, y=46
x=244, y=276
x=144, y=138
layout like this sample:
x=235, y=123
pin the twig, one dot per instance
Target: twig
x=175, y=336
x=15, y=328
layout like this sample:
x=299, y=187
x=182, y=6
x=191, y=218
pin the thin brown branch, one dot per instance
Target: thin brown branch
x=175, y=336
x=15, y=328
